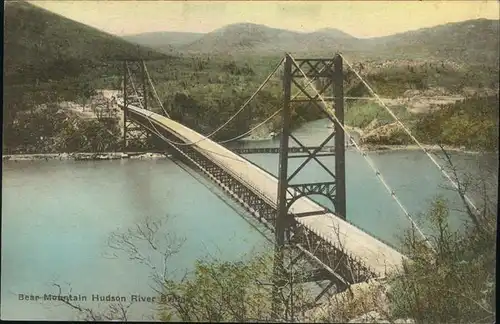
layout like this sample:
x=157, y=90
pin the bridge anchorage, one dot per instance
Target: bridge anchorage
x=313, y=243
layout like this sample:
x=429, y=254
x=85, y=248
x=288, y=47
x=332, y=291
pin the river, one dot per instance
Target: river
x=57, y=217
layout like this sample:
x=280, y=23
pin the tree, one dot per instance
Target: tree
x=456, y=283
x=148, y=243
x=453, y=282
x=87, y=91
x=219, y=291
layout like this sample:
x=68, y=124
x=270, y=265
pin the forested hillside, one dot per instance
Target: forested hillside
x=472, y=42
x=48, y=59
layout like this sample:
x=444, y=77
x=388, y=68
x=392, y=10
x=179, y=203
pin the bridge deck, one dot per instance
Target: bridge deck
x=380, y=257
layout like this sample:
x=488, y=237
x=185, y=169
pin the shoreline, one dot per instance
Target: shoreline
x=378, y=148
x=374, y=148
x=84, y=156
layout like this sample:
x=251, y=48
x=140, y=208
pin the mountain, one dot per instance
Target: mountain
x=246, y=37
x=332, y=32
x=163, y=41
x=472, y=41
x=242, y=38
x=40, y=45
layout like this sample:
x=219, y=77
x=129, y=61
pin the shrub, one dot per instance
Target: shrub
x=454, y=284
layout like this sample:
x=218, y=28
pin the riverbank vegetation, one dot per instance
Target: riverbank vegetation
x=456, y=282
x=203, y=92
x=205, y=99
x=471, y=123
x=449, y=277
x=50, y=59
x=50, y=129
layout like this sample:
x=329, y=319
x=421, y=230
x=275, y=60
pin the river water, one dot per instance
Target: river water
x=57, y=217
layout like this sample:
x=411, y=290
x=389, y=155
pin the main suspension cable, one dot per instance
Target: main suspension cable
x=266, y=120
x=142, y=107
x=236, y=137
x=133, y=86
x=224, y=141
x=234, y=116
x=377, y=172
x=151, y=114
x=251, y=130
x=154, y=89
x=469, y=201
x=367, y=158
x=158, y=133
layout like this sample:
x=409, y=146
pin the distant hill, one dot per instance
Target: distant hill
x=331, y=32
x=40, y=45
x=238, y=38
x=474, y=41
x=243, y=38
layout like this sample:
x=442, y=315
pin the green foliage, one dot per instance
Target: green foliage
x=205, y=98
x=41, y=44
x=456, y=283
x=393, y=81
x=89, y=136
x=471, y=123
x=360, y=114
x=48, y=129
x=232, y=68
x=220, y=291
x=49, y=58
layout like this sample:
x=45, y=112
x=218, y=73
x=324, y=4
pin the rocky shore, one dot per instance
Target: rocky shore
x=83, y=156
x=430, y=148
x=376, y=134
x=157, y=155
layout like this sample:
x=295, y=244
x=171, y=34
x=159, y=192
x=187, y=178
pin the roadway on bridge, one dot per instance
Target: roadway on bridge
x=378, y=256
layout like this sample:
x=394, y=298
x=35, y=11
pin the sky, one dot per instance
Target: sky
x=358, y=18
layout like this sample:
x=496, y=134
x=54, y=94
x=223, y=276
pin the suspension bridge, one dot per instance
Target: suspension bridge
x=339, y=253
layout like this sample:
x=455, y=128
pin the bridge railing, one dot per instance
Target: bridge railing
x=201, y=150
x=260, y=193
x=217, y=161
x=220, y=162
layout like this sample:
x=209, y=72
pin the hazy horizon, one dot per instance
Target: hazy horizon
x=379, y=18
x=297, y=31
